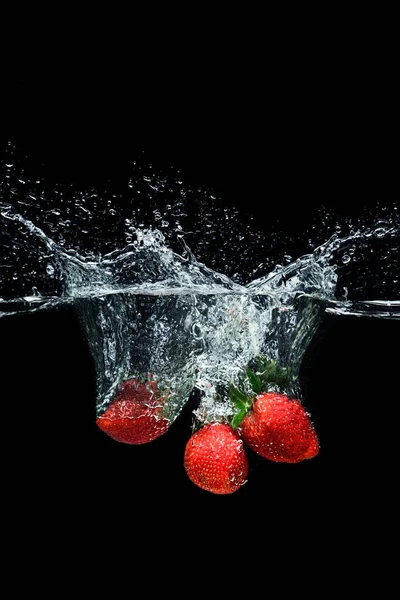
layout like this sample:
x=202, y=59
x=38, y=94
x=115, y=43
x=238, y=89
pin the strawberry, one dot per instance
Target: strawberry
x=279, y=429
x=273, y=425
x=135, y=415
x=215, y=459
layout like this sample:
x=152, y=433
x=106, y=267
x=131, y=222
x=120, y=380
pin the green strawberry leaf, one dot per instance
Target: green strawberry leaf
x=240, y=400
x=255, y=381
x=262, y=362
x=238, y=418
x=242, y=403
x=271, y=374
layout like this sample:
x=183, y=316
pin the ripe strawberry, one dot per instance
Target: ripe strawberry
x=215, y=459
x=135, y=415
x=279, y=429
x=270, y=423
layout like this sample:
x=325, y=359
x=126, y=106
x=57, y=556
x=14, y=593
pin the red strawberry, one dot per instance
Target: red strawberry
x=135, y=415
x=215, y=459
x=270, y=423
x=279, y=429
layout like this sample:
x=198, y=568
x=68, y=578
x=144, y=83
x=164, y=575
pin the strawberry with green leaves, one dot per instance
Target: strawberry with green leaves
x=272, y=424
x=135, y=416
x=215, y=459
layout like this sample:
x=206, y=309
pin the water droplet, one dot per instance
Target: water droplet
x=50, y=269
x=130, y=183
x=346, y=259
x=112, y=211
x=380, y=232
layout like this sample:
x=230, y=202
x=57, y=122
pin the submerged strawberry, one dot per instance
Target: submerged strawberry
x=135, y=415
x=215, y=459
x=273, y=425
x=279, y=429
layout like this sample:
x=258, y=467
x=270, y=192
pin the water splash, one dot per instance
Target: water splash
x=139, y=269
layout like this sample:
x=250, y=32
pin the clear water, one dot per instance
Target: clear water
x=163, y=280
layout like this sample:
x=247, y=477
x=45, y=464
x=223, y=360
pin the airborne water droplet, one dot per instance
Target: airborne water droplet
x=346, y=259
x=50, y=269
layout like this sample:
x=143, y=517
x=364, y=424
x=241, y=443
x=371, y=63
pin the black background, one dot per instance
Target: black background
x=280, y=157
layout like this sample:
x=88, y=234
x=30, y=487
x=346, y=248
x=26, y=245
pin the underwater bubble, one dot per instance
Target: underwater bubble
x=380, y=232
